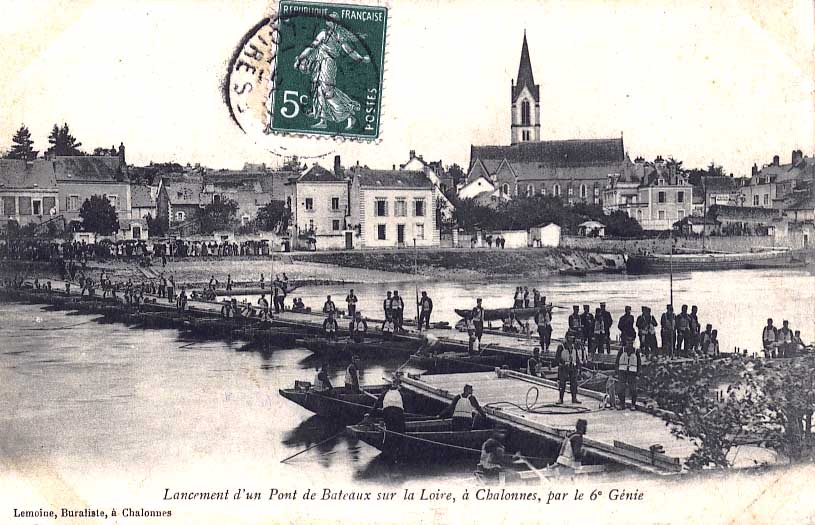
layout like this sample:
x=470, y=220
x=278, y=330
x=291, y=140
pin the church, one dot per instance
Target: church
x=575, y=170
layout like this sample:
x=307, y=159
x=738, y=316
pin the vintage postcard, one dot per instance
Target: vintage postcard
x=365, y=261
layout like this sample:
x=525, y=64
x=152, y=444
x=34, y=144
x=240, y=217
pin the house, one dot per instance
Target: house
x=696, y=225
x=775, y=185
x=591, y=229
x=179, y=200
x=441, y=182
x=320, y=209
x=142, y=202
x=81, y=177
x=547, y=234
x=393, y=208
x=715, y=190
x=477, y=187
x=251, y=189
x=28, y=191
x=655, y=194
x=746, y=220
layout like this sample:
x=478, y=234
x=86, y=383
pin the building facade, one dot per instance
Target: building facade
x=28, y=191
x=393, y=209
x=320, y=210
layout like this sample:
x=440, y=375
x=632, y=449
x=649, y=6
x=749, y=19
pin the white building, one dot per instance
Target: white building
x=320, y=210
x=393, y=208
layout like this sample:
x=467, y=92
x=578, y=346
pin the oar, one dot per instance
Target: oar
x=312, y=446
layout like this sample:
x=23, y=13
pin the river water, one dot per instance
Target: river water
x=92, y=400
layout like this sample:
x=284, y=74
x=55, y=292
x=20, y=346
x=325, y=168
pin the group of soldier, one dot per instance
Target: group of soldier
x=781, y=342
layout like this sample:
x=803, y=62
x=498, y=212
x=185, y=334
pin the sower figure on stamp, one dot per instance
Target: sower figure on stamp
x=320, y=61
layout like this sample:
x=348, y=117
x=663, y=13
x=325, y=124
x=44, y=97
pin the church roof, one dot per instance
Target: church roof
x=525, y=77
x=562, y=153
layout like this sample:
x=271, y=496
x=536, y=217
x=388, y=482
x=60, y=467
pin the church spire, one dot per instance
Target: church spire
x=525, y=77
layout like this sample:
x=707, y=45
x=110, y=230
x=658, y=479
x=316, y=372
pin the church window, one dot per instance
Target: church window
x=583, y=192
x=530, y=191
x=525, y=120
x=526, y=136
x=556, y=190
x=505, y=189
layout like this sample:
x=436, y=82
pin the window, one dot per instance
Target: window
x=381, y=208
x=505, y=189
x=335, y=203
x=526, y=136
x=36, y=207
x=525, y=115
x=418, y=207
x=112, y=200
x=9, y=206
x=335, y=225
x=400, y=209
x=543, y=190
x=245, y=219
x=309, y=204
x=583, y=191
x=661, y=215
x=419, y=232
x=24, y=205
x=530, y=191
x=766, y=199
x=755, y=200
x=179, y=216
x=311, y=225
x=680, y=196
x=48, y=204
x=556, y=190
x=661, y=197
x=380, y=232
x=72, y=202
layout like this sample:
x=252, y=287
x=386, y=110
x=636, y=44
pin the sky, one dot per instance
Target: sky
x=730, y=81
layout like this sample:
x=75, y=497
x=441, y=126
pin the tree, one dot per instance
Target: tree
x=99, y=216
x=22, y=146
x=275, y=216
x=218, y=216
x=62, y=142
x=619, y=224
x=455, y=172
x=155, y=227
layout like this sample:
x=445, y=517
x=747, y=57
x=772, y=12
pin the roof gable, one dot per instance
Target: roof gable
x=317, y=173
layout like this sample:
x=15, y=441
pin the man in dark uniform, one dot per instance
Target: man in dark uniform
x=683, y=331
x=668, y=331
x=628, y=366
x=386, y=306
x=568, y=361
x=626, y=327
x=352, y=376
x=351, y=299
x=575, y=323
x=398, y=311
x=426, y=306
x=607, y=320
x=587, y=321
x=464, y=409
x=533, y=365
x=646, y=326
x=478, y=319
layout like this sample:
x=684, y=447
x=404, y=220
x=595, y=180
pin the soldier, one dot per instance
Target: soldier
x=568, y=364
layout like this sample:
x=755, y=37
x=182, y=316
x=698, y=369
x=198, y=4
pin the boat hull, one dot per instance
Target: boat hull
x=343, y=407
x=422, y=440
x=642, y=264
x=499, y=314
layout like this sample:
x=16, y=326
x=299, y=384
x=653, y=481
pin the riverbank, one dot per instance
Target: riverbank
x=461, y=264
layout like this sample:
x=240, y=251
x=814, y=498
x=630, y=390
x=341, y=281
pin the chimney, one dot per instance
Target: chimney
x=754, y=171
x=393, y=168
x=122, y=153
x=776, y=159
x=797, y=155
x=337, y=165
x=412, y=154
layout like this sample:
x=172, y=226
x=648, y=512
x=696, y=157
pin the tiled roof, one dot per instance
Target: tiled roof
x=181, y=193
x=19, y=174
x=742, y=212
x=718, y=184
x=367, y=177
x=140, y=197
x=317, y=173
x=806, y=202
x=102, y=168
x=576, y=152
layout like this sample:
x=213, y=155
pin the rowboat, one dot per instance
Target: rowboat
x=426, y=439
x=498, y=314
x=340, y=405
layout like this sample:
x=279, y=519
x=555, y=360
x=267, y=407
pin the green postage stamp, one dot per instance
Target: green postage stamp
x=328, y=70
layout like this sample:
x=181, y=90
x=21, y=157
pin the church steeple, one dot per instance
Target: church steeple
x=525, y=101
x=525, y=77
